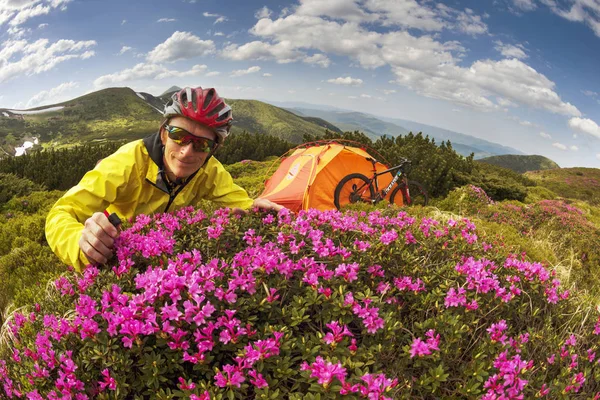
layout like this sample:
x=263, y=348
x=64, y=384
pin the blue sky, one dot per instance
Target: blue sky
x=522, y=73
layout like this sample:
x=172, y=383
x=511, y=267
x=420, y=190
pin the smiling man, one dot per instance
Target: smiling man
x=168, y=170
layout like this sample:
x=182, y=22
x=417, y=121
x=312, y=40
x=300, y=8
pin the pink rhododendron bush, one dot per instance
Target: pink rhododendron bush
x=320, y=305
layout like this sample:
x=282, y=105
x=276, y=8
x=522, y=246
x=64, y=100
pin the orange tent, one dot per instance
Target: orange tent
x=308, y=177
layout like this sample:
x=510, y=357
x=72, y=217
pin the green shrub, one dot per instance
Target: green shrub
x=24, y=273
x=11, y=185
x=538, y=193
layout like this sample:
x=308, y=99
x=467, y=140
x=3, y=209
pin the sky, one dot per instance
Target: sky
x=521, y=73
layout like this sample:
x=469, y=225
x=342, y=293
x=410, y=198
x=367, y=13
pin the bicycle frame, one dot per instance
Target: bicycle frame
x=381, y=195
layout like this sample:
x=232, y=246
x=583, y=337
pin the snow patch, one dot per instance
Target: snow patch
x=28, y=112
x=19, y=151
x=141, y=96
x=5, y=114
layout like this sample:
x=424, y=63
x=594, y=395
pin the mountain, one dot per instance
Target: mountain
x=486, y=148
x=354, y=121
x=123, y=114
x=375, y=126
x=170, y=91
x=521, y=164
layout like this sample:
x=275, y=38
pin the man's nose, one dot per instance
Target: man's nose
x=187, y=149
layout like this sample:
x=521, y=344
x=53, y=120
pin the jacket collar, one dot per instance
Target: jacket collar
x=155, y=173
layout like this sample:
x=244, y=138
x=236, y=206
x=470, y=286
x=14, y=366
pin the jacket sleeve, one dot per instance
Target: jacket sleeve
x=96, y=190
x=221, y=188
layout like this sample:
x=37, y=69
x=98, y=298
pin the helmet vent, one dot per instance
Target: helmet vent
x=194, y=101
x=215, y=110
x=208, y=98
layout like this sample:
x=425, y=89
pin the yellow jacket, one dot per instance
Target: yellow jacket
x=130, y=182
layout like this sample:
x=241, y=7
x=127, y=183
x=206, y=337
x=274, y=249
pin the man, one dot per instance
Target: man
x=170, y=169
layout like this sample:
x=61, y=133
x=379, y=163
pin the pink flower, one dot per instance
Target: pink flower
x=108, y=381
x=257, y=379
x=325, y=371
x=183, y=385
x=337, y=333
x=233, y=377
x=422, y=348
x=455, y=298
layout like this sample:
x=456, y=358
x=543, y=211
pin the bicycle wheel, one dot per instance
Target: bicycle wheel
x=353, y=188
x=416, y=195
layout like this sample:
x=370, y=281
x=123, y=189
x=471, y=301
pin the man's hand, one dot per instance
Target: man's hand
x=97, y=238
x=266, y=204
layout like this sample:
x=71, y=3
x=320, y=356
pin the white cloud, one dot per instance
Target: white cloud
x=525, y=5
x=510, y=51
x=574, y=136
x=263, y=13
x=598, y=156
x=470, y=23
x=413, y=15
x=389, y=91
x=27, y=13
x=584, y=11
x=124, y=50
x=39, y=56
x=267, y=75
x=526, y=123
x=17, y=12
x=422, y=64
x=218, y=18
x=282, y=52
x=242, y=72
x=213, y=73
x=366, y=96
x=589, y=93
x=585, y=125
x=219, y=34
x=180, y=46
x=347, y=81
x=147, y=71
x=347, y=10
x=545, y=135
x=42, y=26
x=123, y=22
x=318, y=59
x=167, y=20
x=559, y=146
x=51, y=96
x=574, y=148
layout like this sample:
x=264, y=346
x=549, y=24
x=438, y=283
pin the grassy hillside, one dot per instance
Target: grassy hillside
x=109, y=114
x=576, y=183
x=521, y=164
x=121, y=113
x=258, y=117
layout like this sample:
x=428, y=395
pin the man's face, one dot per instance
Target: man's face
x=182, y=160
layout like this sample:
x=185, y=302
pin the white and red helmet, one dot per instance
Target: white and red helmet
x=204, y=106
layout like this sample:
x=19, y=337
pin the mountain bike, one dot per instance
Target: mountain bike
x=357, y=188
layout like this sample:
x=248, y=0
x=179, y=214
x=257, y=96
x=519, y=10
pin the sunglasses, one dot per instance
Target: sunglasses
x=183, y=137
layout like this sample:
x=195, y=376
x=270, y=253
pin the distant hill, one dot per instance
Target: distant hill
x=575, y=183
x=121, y=113
x=375, y=127
x=521, y=164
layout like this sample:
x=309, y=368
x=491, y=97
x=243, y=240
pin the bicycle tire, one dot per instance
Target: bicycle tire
x=346, y=192
x=418, y=195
